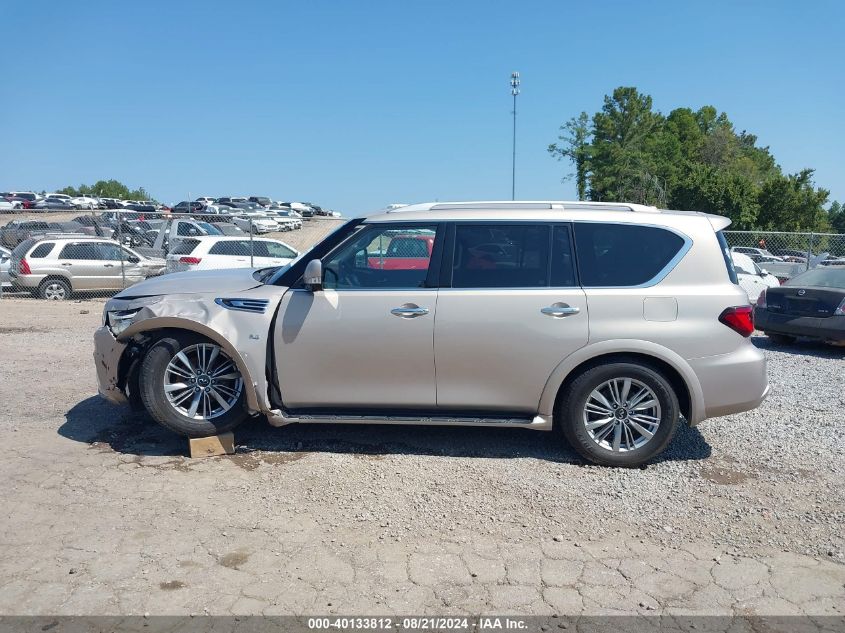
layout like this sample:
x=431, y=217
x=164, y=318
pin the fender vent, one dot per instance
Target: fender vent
x=243, y=305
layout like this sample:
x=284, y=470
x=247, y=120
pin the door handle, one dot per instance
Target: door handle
x=108, y=265
x=66, y=264
x=409, y=311
x=559, y=310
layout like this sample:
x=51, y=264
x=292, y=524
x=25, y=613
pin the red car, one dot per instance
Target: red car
x=404, y=252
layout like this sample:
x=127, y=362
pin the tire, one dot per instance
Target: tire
x=780, y=339
x=54, y=290
x=624, y=440
x=209, y=417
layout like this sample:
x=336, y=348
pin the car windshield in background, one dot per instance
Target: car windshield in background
x=820, y=278
x=209, y=228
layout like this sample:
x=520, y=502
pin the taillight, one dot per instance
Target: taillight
x=761, y=300
x=739, y=318
x=840, y=311
x=190, y=260
x=23, y=267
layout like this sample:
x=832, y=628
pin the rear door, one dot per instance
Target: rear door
x=511, y=313
x=267, y=253
x=84, y=266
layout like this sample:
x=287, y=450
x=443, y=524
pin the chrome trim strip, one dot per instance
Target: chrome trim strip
x=256, y=306
x=538, y=422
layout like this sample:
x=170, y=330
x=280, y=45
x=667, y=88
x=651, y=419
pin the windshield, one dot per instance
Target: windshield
x=209, y=228
x=820, y=277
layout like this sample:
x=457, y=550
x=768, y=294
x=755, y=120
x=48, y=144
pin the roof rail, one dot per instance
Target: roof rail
x=530, y=205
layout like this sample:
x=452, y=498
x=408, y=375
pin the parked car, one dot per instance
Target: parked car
x=8, y=206
x=227, y=228
x=54, y=267
x=288, y=220
x=754, y=252
x=85, y=202
x=665, y=336
x=54, y=204
x=216, y=252
x=255, y=222
x=811, y=304
x=263, y=201
x=17, y=231
x=25, y=195
x=752, y=278
x=18, y=202
x=186, y=206
x=206, y=200
x=833, y=261
x=792, y=253
x=5, y=280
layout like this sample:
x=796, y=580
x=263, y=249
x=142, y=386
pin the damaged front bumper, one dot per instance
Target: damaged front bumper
x=107, y=353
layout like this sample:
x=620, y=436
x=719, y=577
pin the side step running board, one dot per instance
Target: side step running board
x=282, y=418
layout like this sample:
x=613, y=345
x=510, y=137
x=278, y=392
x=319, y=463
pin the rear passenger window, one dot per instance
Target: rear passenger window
x=42, y=250
x=618, y=255
x=501, y=256
x=234, y=248
x=80, y=251
x=184, y=247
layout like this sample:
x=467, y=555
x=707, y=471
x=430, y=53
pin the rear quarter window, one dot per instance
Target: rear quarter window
x=42, y=250
x=184, y=247
x=623, y=255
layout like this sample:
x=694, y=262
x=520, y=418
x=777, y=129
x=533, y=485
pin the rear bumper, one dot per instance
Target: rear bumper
x=732, y=383
x=828, y=329
x=107, y=353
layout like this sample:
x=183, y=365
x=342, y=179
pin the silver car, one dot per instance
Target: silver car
x=55, y=266
x=610, y=322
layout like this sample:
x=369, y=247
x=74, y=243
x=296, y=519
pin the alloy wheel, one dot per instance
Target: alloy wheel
x=202, y=382
x=622, y=414
x=55, y=291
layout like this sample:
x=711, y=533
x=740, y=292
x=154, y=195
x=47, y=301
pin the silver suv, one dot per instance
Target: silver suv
x=609, y=322
x=55, y=266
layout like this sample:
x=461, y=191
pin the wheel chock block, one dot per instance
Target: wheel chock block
x=223, y=444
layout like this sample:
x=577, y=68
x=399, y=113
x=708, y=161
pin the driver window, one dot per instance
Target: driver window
x=382, y=257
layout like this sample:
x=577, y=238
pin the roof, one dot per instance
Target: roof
x=537, y=210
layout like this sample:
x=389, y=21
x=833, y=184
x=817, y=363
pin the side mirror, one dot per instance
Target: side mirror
x=313, y=277
x=763, y=272
x=193, y=231
x=133, y=259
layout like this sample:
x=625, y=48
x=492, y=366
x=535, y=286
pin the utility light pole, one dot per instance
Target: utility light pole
x=514, y=92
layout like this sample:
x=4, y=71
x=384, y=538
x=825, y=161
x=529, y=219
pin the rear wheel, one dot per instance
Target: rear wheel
x=54, y=290
x=619, y=414
x=780, y=339
x=191, y=386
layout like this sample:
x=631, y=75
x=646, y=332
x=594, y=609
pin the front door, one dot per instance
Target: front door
x=513, y=312
x=366, y=341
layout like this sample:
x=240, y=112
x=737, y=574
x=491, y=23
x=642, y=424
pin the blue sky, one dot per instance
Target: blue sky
x=354, y=105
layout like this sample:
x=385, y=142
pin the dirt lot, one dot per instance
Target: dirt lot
x=104, y=514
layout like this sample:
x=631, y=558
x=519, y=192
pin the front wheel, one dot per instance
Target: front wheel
x=192, y=387
x=619, y=414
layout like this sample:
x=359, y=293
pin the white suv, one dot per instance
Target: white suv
x=610, y=322
x=215, y=252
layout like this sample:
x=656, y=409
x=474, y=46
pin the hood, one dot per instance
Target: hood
x=194, y=282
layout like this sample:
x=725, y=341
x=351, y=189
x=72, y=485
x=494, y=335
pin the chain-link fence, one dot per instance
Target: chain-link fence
x=78, y=254
x=787, y=254
x=86, y=254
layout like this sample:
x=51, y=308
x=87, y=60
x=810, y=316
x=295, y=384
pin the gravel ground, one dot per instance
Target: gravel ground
x=104, y=514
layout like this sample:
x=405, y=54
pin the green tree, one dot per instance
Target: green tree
x=836, y=216
x=621, y=166
x=792, y=203
x=707, y=188
x=573, y=145
x=690, y=160
x=108, y=189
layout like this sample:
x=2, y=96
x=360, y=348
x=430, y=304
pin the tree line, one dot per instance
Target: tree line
x=107, y=189
x=689, y=160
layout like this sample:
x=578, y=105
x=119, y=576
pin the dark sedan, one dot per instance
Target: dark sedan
x=811, y=304
x=54, y=203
